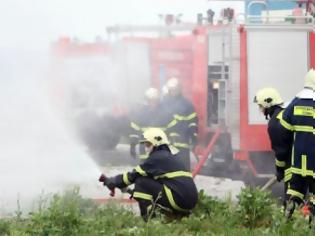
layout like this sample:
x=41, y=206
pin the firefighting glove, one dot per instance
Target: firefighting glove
x=279, y=174
x=110, y=183
x=102, y=178
x=133, y=152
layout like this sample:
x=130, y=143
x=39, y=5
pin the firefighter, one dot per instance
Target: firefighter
x=161, y=180
x=146, y=116
x=271, y=105
x=165, y=93
x=182, y=125
x=298, y=118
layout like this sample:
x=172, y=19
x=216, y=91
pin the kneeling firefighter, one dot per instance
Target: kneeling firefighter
x=161, y=180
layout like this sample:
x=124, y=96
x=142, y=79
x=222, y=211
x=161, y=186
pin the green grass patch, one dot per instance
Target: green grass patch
x=68, y=214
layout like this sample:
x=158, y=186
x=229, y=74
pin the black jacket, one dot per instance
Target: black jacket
x=281, y=139
x=298, y=118
x=168, y=170
x=183, y=121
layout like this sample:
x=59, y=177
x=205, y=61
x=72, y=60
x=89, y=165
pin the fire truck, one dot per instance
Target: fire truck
x=220, y=67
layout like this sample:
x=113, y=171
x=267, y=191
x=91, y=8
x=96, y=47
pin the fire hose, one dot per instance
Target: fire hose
x=269, y=183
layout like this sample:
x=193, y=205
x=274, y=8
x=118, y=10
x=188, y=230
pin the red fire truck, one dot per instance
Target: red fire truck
x=220, y=68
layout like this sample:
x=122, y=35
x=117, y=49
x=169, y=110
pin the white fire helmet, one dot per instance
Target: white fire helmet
x=309, y=80
x=157, y=137
x=172, y=83
x=268, y=97
x=151, y=93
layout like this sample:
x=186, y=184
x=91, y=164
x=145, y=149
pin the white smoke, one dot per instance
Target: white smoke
x=37, y=151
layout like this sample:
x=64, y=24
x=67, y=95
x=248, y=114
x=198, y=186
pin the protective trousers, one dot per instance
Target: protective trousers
x=299, y=187
x=149, y=194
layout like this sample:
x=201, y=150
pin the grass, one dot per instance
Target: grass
x=256, y=213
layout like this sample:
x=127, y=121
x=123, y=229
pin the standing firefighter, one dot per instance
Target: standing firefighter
x=271, y=105
x=298, y=118
x=147, y=116
x=182, y=126
x=161, y=180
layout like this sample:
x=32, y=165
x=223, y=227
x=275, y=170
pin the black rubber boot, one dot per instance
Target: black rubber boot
x=311, y=214
x=290, y=208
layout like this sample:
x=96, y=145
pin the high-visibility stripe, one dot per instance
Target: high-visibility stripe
x=292, y=152
x=280, y=163
x=303, y=128
x=171, y=124
x=286, y=124
x=280, y=115
x=192, y=125
x=303, y=165
x=171, y=200
x=174, y=134
x=295, y=193
x=181, y=145
x=287, y=175
x=140, y=171
x=144, y=196
x=287, y=171
x=133, y=136
x=298, y=171
x=135, y=126
x=299, y=128
x=174, y=174
x=303, y=111
x=125, y=179
x=188, y=117
x=143, y=156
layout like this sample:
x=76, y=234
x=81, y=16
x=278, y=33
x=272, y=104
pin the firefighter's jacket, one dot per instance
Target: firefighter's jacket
x=298, y=117
x=168, y=170
x=183, y=121
x=281, y=142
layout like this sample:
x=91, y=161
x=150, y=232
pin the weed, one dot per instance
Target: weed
x=5, y=228
x=69, y=214
x=255, y=208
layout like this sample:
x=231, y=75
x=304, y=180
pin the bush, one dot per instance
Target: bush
x=69, y=214
x=63, y=216
x=4, y=228
x=255, y=207
x=208, y=205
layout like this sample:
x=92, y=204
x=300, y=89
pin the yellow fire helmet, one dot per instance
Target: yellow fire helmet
x=151, y=93
x=157, y=137
x=309, y=80
x=268, y=97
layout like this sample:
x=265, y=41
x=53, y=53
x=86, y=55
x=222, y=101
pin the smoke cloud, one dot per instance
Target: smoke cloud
x=37, y=151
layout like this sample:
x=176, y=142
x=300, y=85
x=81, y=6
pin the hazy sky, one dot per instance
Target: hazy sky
x=34, y=23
